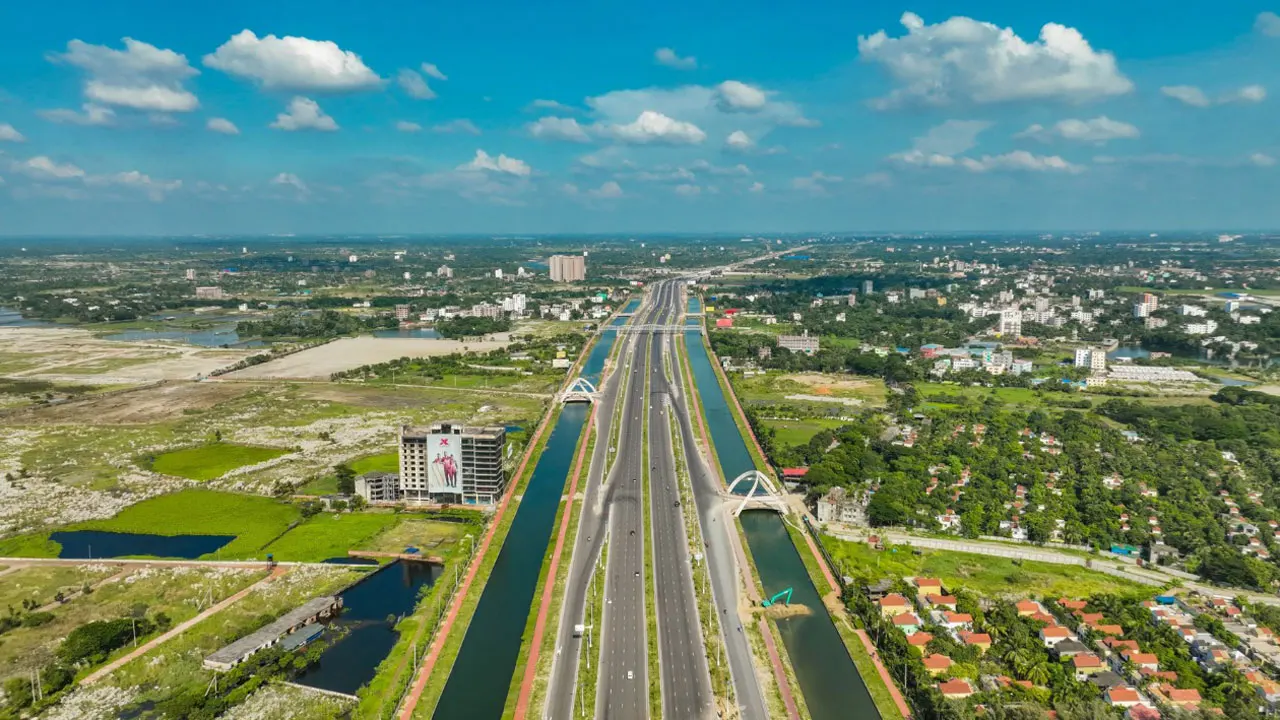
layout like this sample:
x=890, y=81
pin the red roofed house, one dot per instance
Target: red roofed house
x=953, y=620
x=1072, y=604
x=1118, y=645
x=795, y=472
x=1114, y=630
x=1089, y=618
x=937, y=664
x=941, y=601
x=893, y=604
x=1028, y=607
x=1166, y=675
x=1188, y=698
x=955, y=689
x=928, y=586
x=724, y=322
x=919, y=640
x=1142, y=712
x=907, y=622
x=1123, y=696
x=1086, y=664
x=979, y=640
x=1143, y=661
x=1054, y=634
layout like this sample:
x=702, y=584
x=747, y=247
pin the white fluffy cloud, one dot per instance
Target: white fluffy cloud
x=1267, y=23
x=405, y=126
x=668, y=57
x=91, y=115
x=756, y=187
x=951, y=137
x=557, y=128
x=140, y=77
x=816, y=182
x=654, y=127
x=962, y=60
x=687, y=190
x=414, y=85
x=432, y=71
x=1195, y=97
x=739, y=140
x=293, y=63
x=290, y=180
x=304, y=114
x=222, y=125
x=543, y=104
x=1019, y=160
x=696, y=105
x=1097, y=130
x=9, y=133
x=41, y=167
x=735, y=96
x=607, y=191
x=153, y=188
x=501, y=164
x=1262, y=160
x=461, y=126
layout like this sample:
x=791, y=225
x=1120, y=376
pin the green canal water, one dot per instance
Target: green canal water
x=828, y=679
x=477, y=685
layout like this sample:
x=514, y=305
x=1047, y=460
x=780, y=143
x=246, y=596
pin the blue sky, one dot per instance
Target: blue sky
x=503, y=117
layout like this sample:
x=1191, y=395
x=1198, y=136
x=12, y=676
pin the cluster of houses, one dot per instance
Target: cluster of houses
x=981, y=356
x=1129, y=677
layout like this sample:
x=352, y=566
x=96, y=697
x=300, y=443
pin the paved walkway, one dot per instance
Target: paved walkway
x=180, y=628
x=884, y=674
x=549, y=589
x=779, y=673
x=460, y=594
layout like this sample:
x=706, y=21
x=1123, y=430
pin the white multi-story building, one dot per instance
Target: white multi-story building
x=444, y=271
x=475, y=454
x=1201, y=328
x=1192, y=311
x=839, y=505
x=1145, y=304
x=1010, y=324
x=803, y=343
x=1091, y=357
x=567, y=268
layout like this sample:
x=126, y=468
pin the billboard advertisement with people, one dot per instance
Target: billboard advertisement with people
x=444, y=463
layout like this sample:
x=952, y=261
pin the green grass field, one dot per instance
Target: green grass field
x=990, y=577
x=253, y=519
x=206, y=462
x=329, y=535
x=799, y=432
x=384, y=462
x=775, y=387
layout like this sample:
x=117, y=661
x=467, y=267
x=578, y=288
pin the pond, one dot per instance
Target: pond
x=88, y=544
x=362, y=636
x=12, y=318
x=422, y=333
x=213, y=337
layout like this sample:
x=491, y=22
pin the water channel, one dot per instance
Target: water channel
x=88, y=544
x=828, y=679
x=362, y=636
x=477, y=686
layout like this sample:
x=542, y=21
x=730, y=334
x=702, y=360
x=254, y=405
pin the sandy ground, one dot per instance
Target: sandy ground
x=138, y=406
x=828, y=384
x=347, y=353
x=76, y=356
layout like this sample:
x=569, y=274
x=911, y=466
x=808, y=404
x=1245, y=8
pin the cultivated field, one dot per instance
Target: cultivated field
x=347, y=353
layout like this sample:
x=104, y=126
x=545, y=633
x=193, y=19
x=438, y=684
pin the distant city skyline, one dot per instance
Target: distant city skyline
x=504, y=118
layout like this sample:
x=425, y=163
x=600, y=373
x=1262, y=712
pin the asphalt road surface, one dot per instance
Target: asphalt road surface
x=718, y=554
x=686, y=681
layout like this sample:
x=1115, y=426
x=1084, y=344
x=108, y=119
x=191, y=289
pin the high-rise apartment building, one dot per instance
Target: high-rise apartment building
x=1144, y=305
x=1091, y=357
x=1010, y=324
x=567, y=268
x=868, y=287
x=451, y=462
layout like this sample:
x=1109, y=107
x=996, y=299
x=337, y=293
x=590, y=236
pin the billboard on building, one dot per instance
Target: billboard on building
x=444, y=463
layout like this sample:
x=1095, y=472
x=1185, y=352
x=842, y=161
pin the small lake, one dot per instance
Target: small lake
x=632, y=305
x=88, y=544
x=422, y=333
x=364, y=634
x=213, y=337
x=12, y=318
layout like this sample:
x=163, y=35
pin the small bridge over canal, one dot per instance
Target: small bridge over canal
x=762, y=493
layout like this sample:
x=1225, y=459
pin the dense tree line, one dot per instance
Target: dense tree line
x=290, y=323
x=465, y=327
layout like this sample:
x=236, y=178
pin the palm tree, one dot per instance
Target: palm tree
x=1039, y=673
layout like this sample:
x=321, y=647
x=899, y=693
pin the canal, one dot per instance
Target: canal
x=477, y=685
x=828, y=679
x=364, y=634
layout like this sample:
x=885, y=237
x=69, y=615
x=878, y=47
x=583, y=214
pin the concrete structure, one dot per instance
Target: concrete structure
x=838, y=506
x=567, y=268
x=868, y=287
x=1144, y=305
x=1010, y=324
x=1152, y=374
x=378, y=487
x=209, y=293
x=480, y=457
x=804, y=343
x=444, y=271
x=240, y=650
x=1093, y=358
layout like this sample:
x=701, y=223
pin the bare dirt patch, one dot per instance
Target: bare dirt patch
x=137, y=407
x=320, y=362
x=830, y=384
x=76, y=356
